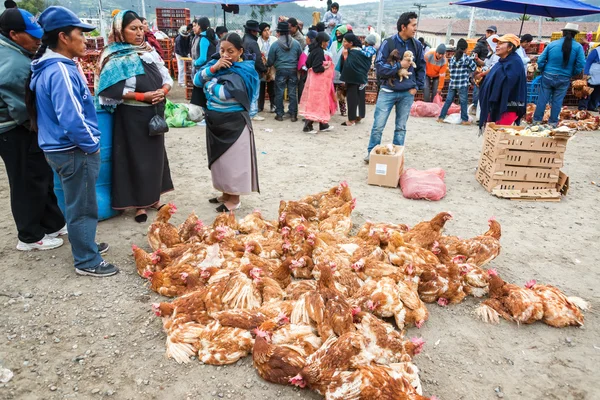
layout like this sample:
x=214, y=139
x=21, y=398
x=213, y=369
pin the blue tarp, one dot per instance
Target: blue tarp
x=238, y=2
x=544, y=8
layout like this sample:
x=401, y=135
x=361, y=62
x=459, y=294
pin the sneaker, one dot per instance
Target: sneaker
x=294, y=118
x=63, y=231
x=201, y=123
x=366, y=159
x=258, y=118
x=47, y=243
x=278, y=118
x=101, y=270
x=326, y=129
x=102, y=247
x=273, y=109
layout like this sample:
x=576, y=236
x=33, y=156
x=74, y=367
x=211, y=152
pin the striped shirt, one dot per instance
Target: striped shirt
x=217, y=97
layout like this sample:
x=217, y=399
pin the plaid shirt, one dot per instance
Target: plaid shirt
x=460, y=71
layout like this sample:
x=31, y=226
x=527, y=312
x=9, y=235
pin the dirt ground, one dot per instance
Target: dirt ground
x=66, y=336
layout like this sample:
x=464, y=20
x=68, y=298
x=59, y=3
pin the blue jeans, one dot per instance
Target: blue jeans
x=78, y=172
x=554, y=89
x=475, y=95
x=463, y=96
x=385, y=103
x=286, y=78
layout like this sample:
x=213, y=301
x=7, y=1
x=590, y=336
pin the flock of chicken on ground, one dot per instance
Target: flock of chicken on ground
x=308, y=300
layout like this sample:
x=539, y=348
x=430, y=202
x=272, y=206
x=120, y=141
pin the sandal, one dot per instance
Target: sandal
x=223, y=208
x=215, y=200
x=141, y=218
x=346, y=123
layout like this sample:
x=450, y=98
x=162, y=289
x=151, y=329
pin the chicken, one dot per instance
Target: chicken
x=299, y=208
x=380, y=231
x=254, y=222
x=271, y=268
x=581, y=89
x=402, y=254
x=476, y=281
x=296, y=289
x=277, y=364
x=226, y=220
x=326, y=307
x=175, y=280
x=373, y=382
x=479, y=250
x=144, y=261
x=220, y=345
x=162, y=234
x=337, y=223
x=382, y=298
x=336, y=353
x=416, y=312
x=426, y=233
x=191, y=227
x=511, y=302
x=344, y=209
x=442, y=283
x=559, y=310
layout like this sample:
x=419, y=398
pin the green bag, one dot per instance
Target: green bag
x=176, y=115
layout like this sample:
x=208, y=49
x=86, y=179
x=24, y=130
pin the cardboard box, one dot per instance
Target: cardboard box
x=385, y=170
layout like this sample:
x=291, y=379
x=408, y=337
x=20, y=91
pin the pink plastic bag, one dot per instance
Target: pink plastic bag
x=454, y=108
x=428, y=184
x=423, y=109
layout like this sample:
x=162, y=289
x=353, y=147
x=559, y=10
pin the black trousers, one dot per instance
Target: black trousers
x=302, y=75
x=268, y=87
x=356, y=101
x=32, y=199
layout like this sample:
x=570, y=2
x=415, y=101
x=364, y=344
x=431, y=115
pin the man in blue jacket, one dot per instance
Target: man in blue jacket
x=399, y=95
x=33, y=203
x=68, y=132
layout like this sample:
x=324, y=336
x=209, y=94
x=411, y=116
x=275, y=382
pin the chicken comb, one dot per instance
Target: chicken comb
x=492, y=218
x=134, y=247
x=173, y=207
x=530, y=284
x=492, y=272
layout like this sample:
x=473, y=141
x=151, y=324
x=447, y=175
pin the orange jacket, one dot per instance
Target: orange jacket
x=435, y=68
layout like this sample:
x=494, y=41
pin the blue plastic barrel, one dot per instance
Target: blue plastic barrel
x=104, y=183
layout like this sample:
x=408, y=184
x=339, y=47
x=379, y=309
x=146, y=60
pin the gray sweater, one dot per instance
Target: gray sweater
x=284, y=53
x=14, y=71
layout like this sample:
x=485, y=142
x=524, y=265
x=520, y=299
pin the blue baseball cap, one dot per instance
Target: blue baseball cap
x=15, y=19
x=57, y=17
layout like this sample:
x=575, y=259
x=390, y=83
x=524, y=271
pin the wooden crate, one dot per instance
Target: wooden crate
x=505, y=172
x=522, y=158
x=498, y=138
x=491, y=183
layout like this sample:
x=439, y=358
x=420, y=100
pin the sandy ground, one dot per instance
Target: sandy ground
x=66, y=336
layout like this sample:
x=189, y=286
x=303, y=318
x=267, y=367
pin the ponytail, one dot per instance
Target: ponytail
x=30, y=94
x=49, y=40
x=211, y=35
x=567, y=46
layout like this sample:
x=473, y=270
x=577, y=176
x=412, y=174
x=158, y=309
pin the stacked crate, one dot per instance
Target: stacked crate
x=169, y=20
x=189, y=79
x=521, y=167
x=168, y=47
x=94, y=43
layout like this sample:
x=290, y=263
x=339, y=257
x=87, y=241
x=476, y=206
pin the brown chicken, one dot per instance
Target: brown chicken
x=511, y=302
x=442, y=283
x=254, y=223
x=479, y=250
x=175, y=281
x=162, y=234
x=382, y=298
x=426, y=233
x=401, y=253
x=144, y=261
x=221, y=345
x=559, y=310
x=379, y=232
x=192, y=227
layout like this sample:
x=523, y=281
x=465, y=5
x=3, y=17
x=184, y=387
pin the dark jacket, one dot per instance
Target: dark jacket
x=386, y=71
x=284, y=53
x=316, y=57
x=182, y=45
x=481, y=49
x=250, y=44
x=14, y=71
x=355, y=68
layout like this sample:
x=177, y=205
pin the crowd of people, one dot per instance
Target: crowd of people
x=49, y=121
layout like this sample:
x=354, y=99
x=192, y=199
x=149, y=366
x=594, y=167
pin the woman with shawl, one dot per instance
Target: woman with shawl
x=230, y=85
x=354, y=67
x=336, y=49
x=503, y=93
x=318, y=87
x=133, y=83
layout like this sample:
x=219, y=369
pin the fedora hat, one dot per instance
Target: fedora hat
x=283, y=27
x=571, y=27
x=252, y=25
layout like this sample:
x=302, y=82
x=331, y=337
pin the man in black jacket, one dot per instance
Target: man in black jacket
x=250, y=44
x=182, y=50
x=481, y=53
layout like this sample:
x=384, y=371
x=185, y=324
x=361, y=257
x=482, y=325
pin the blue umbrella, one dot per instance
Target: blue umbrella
x=544, y=8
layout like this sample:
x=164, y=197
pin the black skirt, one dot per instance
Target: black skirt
x=140, y=166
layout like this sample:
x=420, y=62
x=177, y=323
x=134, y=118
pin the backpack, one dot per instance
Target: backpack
x=379, y=78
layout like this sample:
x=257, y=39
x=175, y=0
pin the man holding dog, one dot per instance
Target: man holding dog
x=393, y=92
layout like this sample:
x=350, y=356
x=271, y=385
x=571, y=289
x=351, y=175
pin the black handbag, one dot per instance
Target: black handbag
x=157, y=125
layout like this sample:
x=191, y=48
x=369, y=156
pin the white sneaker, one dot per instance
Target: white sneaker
x=47, y=243
x=328, y=129
x=258, y=118
x=63, y=231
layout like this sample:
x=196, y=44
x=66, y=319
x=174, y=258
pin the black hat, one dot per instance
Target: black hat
x=527, y=38
x=262, y=26
x=219, y=30
x=283, y=27
x=293, y=22
x=10, y=4
x=252, y=25
x=321, y=27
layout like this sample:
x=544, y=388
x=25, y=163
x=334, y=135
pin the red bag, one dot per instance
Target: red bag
x=454, y=108
x=428, y=184
x=423, y=109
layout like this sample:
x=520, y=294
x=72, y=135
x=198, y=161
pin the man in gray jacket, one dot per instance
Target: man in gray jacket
x=33, y=203
x=284, y=55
